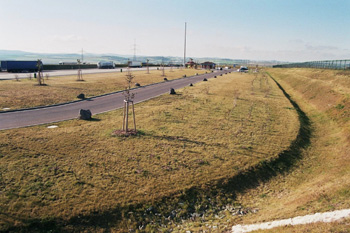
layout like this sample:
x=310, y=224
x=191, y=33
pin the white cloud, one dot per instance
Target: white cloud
x=297, y=41
x=299, y=53
x=320, y=47
x=66, y=38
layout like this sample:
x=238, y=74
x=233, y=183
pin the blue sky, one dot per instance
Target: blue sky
x=285, y=30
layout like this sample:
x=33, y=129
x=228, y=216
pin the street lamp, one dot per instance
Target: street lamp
x=147, y=66
x=163, y=73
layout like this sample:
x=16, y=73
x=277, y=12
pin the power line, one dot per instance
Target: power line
x=185, y=45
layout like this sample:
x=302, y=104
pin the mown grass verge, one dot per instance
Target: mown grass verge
x=261, y=173
x=320, y=180
x=197, y=150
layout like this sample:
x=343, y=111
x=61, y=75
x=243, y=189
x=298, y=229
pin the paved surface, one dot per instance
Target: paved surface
x=53, y=73
x=307, y=219
x=96, y=105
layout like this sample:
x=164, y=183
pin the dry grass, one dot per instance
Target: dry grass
x=78, y=175
x=321, y=180
x=26, y=93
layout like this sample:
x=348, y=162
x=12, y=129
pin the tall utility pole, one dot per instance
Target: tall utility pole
x=134, y=58
x=185, y=45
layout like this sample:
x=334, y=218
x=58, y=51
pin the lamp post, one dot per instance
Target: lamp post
x=185, y=46
x=147, y=66
x=128, y=67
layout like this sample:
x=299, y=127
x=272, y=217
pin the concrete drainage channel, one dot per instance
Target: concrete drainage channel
x=314, y=218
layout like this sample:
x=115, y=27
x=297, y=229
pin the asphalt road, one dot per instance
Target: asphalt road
x=53, y=73
x=96, y=105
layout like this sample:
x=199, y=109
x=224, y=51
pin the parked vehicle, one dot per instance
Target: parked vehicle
x=19, y=66
x=135, y=64
x=243, y=69
x=105, y=65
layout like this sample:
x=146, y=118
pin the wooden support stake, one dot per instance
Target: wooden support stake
x=127, y=116
x=133, y=113
x=124, y=115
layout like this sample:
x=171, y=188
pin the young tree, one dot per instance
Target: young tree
x=128, y=101
x=80, y=74
x=40, y=77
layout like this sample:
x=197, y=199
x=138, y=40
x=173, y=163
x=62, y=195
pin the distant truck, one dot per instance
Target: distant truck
x=105, y=65
x=19, y=66
x=135, y=64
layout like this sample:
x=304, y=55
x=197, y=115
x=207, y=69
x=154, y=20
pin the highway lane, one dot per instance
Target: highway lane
x=54, y=73
x=96, y=105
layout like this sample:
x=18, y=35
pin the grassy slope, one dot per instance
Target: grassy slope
x=25, y=93
x=321, y=180
x=192, y=145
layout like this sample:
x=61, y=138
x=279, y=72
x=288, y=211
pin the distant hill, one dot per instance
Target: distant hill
x=55, y=58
